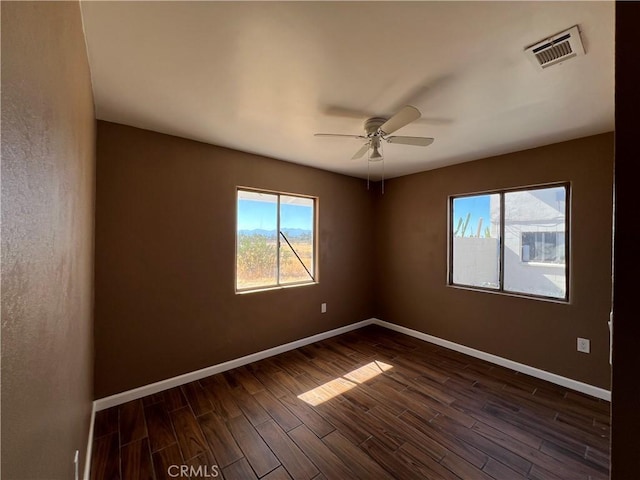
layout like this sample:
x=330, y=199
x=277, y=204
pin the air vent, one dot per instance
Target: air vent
x=556, y=49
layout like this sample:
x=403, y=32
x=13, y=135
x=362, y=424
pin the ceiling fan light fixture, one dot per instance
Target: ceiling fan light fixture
x=375, y=155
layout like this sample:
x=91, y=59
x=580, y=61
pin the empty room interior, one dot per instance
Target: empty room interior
x=315, y=240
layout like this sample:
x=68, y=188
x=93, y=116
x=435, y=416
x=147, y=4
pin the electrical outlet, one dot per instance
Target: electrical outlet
x=584, y=345
x=323, y=308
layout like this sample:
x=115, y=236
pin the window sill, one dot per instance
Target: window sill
x=275, y=287
x=561, y=301
x=544, y=264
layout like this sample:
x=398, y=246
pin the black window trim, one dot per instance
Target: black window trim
x=501, y=289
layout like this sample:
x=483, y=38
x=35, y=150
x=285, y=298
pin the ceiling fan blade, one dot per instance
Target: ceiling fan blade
x=361, y=152
x=337, y=135
x=405, y=116
x=418, y=141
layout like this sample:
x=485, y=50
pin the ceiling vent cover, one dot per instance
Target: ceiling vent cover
x=556, y=49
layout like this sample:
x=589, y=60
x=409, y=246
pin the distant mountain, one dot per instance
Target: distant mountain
x=258, y=231
x=295, y=232
x=289, y=232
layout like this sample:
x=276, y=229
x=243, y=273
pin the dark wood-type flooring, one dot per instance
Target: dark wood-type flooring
x=369, y=404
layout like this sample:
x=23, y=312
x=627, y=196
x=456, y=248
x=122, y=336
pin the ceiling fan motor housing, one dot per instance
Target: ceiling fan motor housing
x=372, y=125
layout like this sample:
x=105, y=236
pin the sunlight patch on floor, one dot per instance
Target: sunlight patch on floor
x=339, y=385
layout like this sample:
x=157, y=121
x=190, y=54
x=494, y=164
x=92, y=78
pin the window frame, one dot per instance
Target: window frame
x=501, y=290
x=278, y=285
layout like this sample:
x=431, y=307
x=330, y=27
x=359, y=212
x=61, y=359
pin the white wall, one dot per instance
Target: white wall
x=476, y=261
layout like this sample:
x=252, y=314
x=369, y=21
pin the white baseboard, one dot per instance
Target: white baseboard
x=504, y=362
x=87, y=461
x=156, y=387
x=123, y=397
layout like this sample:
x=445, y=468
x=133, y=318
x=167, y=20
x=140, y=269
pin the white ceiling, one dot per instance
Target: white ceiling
x=263, y=77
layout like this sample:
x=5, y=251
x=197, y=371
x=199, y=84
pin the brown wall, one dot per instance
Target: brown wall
x=165, y=257
x=412, y=250
x=165, y=240
x=48, y=155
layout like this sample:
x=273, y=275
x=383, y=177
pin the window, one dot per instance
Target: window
x=275, y=240
x=543, y=247
x=512, y=241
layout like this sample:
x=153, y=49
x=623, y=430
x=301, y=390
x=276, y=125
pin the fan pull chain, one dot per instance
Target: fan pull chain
x=368, y=170
x=383, y=177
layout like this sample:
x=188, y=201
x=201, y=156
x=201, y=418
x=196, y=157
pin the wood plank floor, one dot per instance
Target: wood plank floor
x=369, y=404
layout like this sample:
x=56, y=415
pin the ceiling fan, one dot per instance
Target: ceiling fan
x=378, y=129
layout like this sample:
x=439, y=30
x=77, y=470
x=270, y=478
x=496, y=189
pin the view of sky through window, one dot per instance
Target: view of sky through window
x=476, y=207
x=252, y=215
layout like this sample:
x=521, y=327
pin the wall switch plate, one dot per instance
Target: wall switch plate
x=584, y=345
x=75, y=464
x=323, y=308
